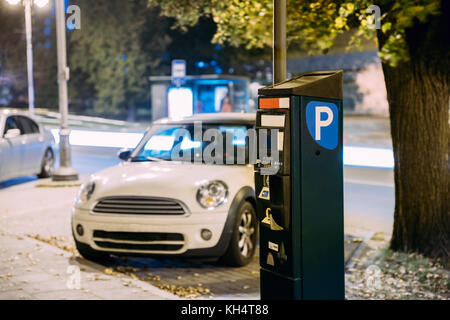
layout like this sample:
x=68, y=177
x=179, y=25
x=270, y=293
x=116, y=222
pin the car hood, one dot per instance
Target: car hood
x=167, y=179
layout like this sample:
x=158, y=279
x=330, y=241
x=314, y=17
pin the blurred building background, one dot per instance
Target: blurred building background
x=120, y=64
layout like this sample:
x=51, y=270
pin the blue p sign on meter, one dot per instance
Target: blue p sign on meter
x=322, y=122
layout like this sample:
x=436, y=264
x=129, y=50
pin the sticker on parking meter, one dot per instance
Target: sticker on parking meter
x=265, y=193
x=322, y=122
x=273, y=246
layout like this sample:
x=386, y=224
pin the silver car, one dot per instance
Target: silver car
x=26, y=147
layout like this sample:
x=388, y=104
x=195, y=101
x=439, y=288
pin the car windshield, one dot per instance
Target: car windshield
x=225, y=143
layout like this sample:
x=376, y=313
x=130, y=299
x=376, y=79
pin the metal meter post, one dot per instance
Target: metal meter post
x=299, y=187
x=65, y=172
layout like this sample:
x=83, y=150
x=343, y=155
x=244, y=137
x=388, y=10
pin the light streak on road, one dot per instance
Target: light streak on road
x=353, y=155
x=108, y=139
x=368, y=157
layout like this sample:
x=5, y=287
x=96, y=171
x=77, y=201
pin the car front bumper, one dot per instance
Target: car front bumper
x=152, y=234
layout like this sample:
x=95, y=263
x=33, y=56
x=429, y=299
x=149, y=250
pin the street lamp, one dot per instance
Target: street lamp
x=41, y=3
x=27, y=5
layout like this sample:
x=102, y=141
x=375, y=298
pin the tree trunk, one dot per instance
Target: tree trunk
x=418, y=96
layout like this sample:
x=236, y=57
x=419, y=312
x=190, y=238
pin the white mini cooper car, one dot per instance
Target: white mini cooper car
x=151, y=204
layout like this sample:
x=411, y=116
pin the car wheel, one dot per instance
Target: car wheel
x=47, y=164
x=243, y=240
x=90, y=254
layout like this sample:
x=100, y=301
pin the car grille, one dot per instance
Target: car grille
x=139, y=205
x=145, y=241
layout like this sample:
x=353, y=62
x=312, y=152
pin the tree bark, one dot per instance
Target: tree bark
x=418, y=96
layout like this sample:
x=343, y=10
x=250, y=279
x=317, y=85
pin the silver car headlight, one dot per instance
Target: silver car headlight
x=212, y=194
x=86, y=191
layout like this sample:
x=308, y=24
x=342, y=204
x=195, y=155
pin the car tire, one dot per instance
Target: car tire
x=48, y=161
x=242, y=246
x=90, y=254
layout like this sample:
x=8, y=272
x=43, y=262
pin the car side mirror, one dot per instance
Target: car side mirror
x=12, y=133
x=124, y=154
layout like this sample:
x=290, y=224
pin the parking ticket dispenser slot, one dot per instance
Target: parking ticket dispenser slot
x=299, y=197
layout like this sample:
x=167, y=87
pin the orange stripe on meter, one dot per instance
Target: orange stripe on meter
x=273, y=103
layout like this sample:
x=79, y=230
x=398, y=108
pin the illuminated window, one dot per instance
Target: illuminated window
x=180, y=102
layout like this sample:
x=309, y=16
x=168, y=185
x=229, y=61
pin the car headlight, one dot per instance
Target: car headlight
x=86, y=191
x=212, y=194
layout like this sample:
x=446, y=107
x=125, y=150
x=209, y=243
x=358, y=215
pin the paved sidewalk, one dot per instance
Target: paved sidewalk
x=31, y=269
x=210, y=279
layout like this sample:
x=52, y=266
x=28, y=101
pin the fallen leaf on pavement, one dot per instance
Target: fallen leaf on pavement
x=108, y=271
x=132, y=275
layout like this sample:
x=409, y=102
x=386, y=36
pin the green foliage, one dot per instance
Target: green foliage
x=115, y=54
x=312, y=24
x=400, y=16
